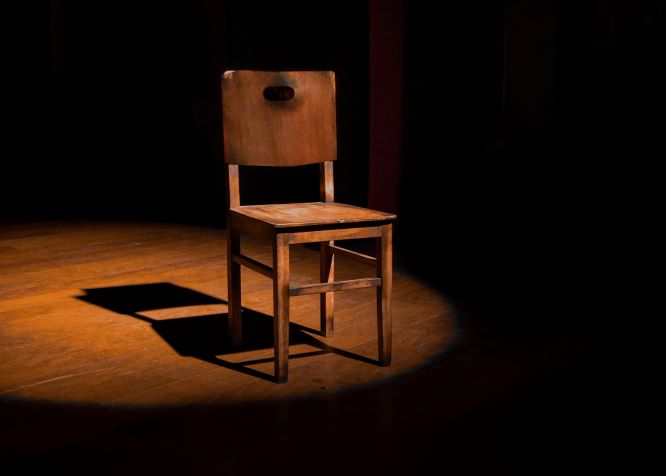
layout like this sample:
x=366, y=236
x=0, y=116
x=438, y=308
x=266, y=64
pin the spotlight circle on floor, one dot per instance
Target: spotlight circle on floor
x=135, y=313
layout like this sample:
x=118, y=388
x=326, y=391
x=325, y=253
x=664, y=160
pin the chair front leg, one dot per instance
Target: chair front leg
x=326, y=275
x=281, y=306
x=385, y=272
x=234, y=286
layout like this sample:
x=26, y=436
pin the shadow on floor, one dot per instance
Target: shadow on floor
x=205, y=337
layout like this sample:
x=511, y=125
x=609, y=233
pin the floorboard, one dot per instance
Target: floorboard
x=113, y=361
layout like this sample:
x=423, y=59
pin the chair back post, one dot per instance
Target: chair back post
x=233, y=187
x=326, y=184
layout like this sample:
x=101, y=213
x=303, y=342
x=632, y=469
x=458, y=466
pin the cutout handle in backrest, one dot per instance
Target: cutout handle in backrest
x=278, y=93
x=278, y=118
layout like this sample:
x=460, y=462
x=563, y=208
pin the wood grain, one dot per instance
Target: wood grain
x=289, y=215
x=360, y=257
x=326, y=300
x=298, y=131
x=326, y=183
x=250, y=225
x=55, y=345
x=234, y=288
x=326, y=257
x=233, y=186
x=254, y=265
x=281, y=306
x=294, y=124
x=325, y=288
x=334, y=234
x=384, y=294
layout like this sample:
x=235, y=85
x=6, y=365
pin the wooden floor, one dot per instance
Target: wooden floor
x=136, y=314
x=112, y=361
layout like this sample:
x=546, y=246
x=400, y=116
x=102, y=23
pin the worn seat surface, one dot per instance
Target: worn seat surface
x=287, y=215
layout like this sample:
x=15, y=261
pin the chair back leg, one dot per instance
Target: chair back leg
x=234, y=286
x=326, y=275
x=385, y=272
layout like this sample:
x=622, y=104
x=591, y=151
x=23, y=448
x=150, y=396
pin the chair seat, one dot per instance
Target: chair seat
x=288, y=215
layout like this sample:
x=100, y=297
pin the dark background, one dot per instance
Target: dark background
x=118, y=111
x=530, y=132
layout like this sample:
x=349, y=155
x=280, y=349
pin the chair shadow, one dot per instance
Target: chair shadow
x=206, y=337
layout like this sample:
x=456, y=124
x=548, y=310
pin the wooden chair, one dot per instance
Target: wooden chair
x=288, y=119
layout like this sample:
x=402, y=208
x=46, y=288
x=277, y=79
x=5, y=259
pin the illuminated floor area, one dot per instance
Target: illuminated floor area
x=113, y=360
x=135, y=313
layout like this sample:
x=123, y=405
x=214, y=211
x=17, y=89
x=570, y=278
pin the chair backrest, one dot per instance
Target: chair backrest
x=278, y=118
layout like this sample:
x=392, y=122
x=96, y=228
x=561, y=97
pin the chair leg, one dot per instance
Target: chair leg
x=234, y=287
x=281, y=306
x=385, y=272
x=326, y=275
